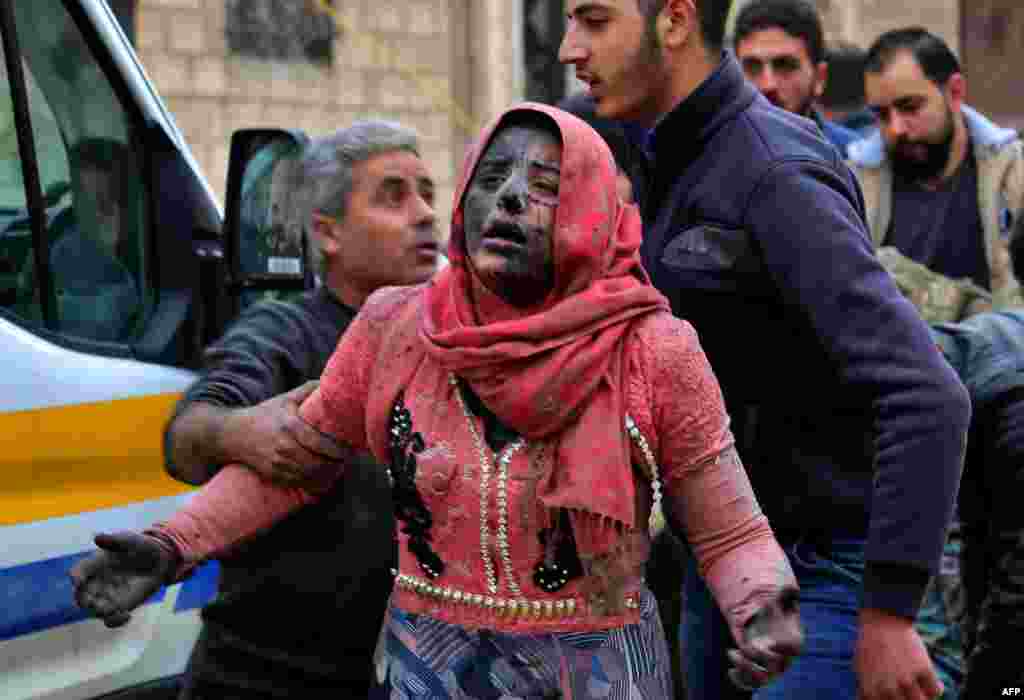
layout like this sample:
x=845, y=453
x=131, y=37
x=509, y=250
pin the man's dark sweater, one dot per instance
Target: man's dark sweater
x=299, y=608
x=848, y=419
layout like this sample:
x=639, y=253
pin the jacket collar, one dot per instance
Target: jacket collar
x=987, y=137
x=682, y=132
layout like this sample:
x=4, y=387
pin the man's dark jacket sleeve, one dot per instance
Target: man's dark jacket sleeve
x=882, y=351
x=272, y=348
x=259, y=357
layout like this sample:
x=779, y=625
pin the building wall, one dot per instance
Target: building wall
x=993, y=52
x=860, y=21
x=863, y=20
x=444, y=67
x=393, y=59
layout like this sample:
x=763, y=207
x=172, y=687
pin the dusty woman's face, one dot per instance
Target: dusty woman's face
x=509, y=213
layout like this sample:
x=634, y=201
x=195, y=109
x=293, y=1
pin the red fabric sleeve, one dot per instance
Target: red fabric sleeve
x=230, y=508
x=706, y=487
x=675, y=398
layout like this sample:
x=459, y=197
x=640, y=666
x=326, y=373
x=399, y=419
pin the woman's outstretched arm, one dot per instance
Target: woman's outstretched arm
x=236, y=504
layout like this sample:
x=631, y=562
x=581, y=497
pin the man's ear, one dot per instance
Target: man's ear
x=326, y=232
x=677, y=24
x=956, y=91
x=820, y=79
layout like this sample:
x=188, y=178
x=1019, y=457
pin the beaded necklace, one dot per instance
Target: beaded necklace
x=655, y=524
x=486, y=470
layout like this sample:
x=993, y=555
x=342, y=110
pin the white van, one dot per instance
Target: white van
x=113, y=276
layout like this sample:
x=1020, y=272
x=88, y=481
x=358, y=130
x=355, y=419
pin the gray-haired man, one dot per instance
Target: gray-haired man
x=299, y=608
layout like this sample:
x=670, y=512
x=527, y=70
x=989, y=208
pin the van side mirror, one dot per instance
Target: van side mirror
x=265, y=228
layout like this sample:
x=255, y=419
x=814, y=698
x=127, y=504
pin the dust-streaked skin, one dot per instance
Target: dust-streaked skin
x=509, y=213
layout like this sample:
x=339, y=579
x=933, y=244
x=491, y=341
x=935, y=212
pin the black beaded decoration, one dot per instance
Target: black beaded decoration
x=552, y=573
x=404, y=445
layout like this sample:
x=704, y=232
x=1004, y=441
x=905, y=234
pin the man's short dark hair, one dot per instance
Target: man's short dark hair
x=626, y=152
x=937, y=60
x=711, y=13
x=798, y=18
x=844, y=88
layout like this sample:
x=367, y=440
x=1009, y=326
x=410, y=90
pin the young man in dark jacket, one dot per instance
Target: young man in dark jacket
x=373, y=224
x=850, y=422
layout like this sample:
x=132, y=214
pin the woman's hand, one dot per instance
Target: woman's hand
x=128, y=569
x=770, y=639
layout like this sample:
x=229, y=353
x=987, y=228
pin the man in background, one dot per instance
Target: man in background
x=781, y=47
x=942, y=184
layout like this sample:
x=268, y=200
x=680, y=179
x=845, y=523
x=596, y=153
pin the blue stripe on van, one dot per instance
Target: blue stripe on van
x=199, y=589
x=37, y=596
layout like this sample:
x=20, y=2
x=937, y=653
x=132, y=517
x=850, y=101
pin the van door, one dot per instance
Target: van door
x=98, y=325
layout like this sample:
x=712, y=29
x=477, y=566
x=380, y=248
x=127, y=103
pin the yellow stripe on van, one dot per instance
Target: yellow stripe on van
x=72, y=459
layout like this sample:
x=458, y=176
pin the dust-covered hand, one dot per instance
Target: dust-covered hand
x=769, y=640
x=128, y=569
x=273, y=440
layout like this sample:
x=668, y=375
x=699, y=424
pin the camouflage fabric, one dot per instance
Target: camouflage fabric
x=938, y=298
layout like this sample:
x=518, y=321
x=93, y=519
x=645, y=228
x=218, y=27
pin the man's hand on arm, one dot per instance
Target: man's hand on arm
x=270, y=438
x=891, y=660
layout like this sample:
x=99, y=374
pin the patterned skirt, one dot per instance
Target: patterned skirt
x=420, y=657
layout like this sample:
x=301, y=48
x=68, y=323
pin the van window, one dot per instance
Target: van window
x=92, y=182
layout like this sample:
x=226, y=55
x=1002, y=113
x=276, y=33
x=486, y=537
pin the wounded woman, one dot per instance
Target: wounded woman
x=534, y=402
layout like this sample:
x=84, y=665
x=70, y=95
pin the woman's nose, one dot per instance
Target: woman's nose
x=513, y=196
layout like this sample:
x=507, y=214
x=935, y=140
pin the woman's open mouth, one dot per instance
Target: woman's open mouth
x=505, y=234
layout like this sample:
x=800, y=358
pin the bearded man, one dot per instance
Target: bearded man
x=942, y=184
